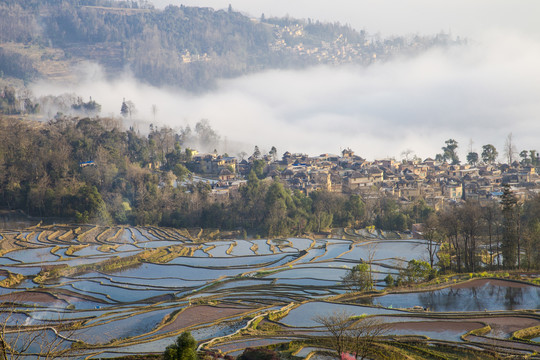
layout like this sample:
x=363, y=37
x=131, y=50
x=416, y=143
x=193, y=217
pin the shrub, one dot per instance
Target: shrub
x=389, y=280
x=183, y=349
x=259, y=354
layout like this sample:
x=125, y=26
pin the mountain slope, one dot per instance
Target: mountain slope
x=182, y=46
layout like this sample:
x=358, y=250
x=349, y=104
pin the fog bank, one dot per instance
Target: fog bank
x=481, y=92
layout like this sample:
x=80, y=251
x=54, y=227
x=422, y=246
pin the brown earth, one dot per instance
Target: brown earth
x=204, y=314
x=495, y=282
x=30, y=296
x=505, y=344
x=8, y=243
x=44, y=297
x=442, y=325
x=508, y=324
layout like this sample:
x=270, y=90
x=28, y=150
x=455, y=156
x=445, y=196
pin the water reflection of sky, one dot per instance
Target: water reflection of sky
x=443, y=334
x=303, y=316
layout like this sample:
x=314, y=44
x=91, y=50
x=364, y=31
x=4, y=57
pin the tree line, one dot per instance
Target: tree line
x=503, y=235
x=489, y=154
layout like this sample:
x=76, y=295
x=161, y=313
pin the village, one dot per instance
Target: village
x=294, y=39
x=437, y=183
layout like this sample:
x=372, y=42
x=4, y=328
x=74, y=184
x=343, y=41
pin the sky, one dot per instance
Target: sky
x=481, y=92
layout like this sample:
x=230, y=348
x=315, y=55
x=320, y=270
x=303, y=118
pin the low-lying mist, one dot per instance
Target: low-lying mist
x=482, y=91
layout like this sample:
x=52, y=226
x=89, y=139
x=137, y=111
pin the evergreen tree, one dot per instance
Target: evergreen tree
x=489, y=154
x=358, y=278
x=183, y=349
x=273, y=153
x=472, y=158
x=256, y=152
x=449, y=151
x=124, y=110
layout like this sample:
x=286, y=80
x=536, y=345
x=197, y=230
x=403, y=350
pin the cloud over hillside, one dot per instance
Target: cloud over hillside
x=482, y=92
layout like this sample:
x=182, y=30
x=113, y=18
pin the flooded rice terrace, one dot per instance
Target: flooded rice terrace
x=111, y=291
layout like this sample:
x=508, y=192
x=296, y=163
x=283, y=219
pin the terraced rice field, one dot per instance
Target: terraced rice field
x=117, y=291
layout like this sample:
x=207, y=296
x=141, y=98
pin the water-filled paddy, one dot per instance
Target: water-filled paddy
x=439, y=331
x=7, y=261
x=242, y=248
x=262, y=247
x=117, y=293
x=306, y=282
x=476, y=295
x=304, y=352
x=304, y=315
x=333, y=251
x=226, y=282
x=232, y=346
x=219, y=250
x=237, y=261
x=389, y=249
x=132, y=326
x=32, y=255
x=242, y=283
x=23, y=270
x=165, y=282
x=158, y=243
x=45, y=339
x=312, y=273
x=149, y=270
x=127, y=247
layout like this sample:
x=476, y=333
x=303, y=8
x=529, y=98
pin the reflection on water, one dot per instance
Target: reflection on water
x=12, y=220
x=303, y=316
x=443, y=334
x=486, y=295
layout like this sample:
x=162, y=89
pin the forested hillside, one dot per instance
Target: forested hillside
x=182, y=46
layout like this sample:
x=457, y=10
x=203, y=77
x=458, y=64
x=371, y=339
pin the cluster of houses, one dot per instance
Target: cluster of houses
x=340, y=50
x=434, y=182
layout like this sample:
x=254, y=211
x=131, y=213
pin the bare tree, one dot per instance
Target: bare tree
x=19, y=338
x=491, y=216
x=132, y=110
x=407, y=154
x=372, y=251
x=432, y=235
x=337, y=324
x=451, y=228
x=242, y=155
x=352, y=334
x=154, y=111
x=471, y=219
x=364, y=333
x=510, y=150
